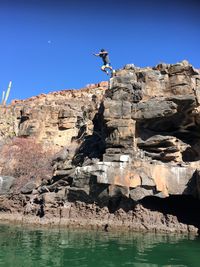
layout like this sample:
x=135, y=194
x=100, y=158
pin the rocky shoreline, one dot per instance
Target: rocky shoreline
x=81, y=215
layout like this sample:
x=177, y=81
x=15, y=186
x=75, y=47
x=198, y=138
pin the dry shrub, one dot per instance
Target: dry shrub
x=25, y=159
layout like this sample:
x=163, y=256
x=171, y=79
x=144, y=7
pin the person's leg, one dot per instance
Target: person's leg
x=112, y=71
x=103, y=68
x=109, y=67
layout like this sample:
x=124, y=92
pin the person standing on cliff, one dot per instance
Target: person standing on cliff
x=106, y=62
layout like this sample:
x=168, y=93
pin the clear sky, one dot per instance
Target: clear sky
x=47, y=45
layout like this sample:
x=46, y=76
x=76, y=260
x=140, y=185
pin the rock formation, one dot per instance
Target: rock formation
x=120, y=152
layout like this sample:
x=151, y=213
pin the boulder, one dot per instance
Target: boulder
x=28, y=188
x=6, y=183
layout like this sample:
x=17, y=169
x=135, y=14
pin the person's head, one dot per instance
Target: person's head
x=103, y=50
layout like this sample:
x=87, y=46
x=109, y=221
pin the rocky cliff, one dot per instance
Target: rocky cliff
x=122, y=153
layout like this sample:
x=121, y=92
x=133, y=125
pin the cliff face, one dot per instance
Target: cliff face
x=114, y=145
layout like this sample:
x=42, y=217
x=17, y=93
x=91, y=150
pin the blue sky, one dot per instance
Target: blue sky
x=47, y=45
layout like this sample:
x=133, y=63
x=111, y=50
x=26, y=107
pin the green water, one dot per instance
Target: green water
x=21, y=247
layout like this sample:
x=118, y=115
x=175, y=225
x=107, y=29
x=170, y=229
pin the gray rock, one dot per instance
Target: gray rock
x=28, y=188
x=139, y=193
x=6, y=183
x=129, y=67
x=61, y=155
x=155, y=108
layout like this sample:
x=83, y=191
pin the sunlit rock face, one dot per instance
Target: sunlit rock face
x=146, y=136
x=54, y=118
x=133, y=137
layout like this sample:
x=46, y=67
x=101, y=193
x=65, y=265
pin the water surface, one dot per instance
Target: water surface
x=26, y=247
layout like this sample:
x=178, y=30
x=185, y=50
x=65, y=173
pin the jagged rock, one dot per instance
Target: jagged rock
x=165, y=148
x=163, y=68
x=125, y=88
x=182, y=67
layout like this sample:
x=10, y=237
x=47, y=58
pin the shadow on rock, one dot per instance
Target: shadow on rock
x=184, y=207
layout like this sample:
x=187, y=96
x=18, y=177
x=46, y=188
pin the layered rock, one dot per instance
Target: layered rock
x=115, y=143
x=150, y=131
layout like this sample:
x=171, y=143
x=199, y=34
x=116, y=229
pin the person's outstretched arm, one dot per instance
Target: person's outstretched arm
x=104, y=52
x=100, y=53
x=97, y=55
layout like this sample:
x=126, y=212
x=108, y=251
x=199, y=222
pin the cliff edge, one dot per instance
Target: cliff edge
x=123, y=153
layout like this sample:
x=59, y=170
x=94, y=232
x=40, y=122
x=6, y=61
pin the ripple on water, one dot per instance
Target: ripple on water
x=57, y=248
